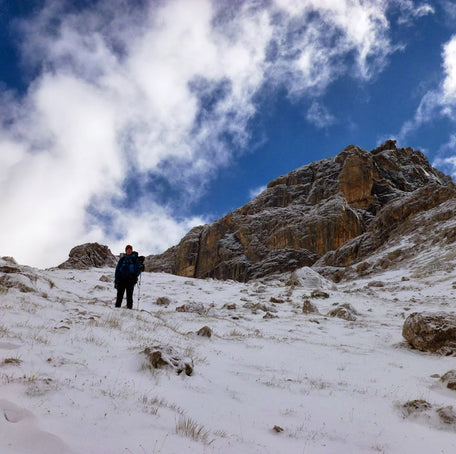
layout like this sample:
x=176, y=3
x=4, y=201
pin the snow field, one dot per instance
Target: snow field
x=74, y=379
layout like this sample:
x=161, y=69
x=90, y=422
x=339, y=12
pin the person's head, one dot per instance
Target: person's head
x=128, y=249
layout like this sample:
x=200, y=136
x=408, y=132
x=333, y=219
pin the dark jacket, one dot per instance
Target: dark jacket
x=128, y=268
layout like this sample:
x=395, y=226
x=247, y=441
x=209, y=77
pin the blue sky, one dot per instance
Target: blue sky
x=131, y=122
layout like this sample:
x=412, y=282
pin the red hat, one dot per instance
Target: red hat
x=128, y=246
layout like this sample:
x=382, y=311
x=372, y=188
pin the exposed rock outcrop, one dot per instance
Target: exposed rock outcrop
x=309, y=308
x=205, y=331
x=435, y=416
x=332, y=212
x=449, y=379
x=431, y=332
x=166, y=356
x=22, y=278
x=89, y=255
x=344, y=311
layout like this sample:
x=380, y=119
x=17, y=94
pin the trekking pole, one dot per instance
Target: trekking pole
x=139, y=291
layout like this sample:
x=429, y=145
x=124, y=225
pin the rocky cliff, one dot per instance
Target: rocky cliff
x=332, y=213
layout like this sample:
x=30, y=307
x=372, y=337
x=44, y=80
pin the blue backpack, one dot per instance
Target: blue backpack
x=129, y=267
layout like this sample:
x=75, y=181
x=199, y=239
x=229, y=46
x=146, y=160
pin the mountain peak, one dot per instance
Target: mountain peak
x=311, y=212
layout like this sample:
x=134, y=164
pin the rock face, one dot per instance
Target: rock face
x=431, y=332
x=335, y=211
x=89, y=255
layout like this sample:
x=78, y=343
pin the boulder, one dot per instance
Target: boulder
x=309, y=308
x=415, y=407
x=89, y=255
x=437, y=417
x=163, y=301
x=447, y=415
x=449, y=379
x=319, y=294
x=166, y=356
x=205, y=331
x=344, y=311
x=431, y=332
x=198, y=308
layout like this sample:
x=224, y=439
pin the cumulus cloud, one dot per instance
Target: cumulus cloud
x=449, y=65
x=439, y=102
x=157, y=91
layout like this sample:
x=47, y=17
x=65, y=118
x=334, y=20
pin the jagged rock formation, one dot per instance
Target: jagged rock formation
x=332, y=213
x=89, y=255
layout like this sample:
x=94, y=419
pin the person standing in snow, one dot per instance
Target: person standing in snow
x=128, y=269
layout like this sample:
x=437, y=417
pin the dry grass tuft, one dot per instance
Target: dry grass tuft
x=12, y=361
x=189, y=428
x=112, y=321
x=4, y=331
x=236, y=333
x=152, y=404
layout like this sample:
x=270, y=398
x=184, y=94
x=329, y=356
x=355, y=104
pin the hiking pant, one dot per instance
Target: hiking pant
x=121, y=287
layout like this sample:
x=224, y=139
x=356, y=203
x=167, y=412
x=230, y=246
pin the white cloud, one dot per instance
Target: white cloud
x=319, y=115
x=449, y=65
x=156, y=90
x=256, y=191
x=411, y=11
x=446, y=160
x=448, y=165
x=315, y=37
x=440, y=102
x=152, y=229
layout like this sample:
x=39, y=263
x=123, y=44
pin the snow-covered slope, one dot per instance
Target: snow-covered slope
x=271, y=379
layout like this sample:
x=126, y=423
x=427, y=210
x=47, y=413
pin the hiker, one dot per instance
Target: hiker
x=128, y=269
